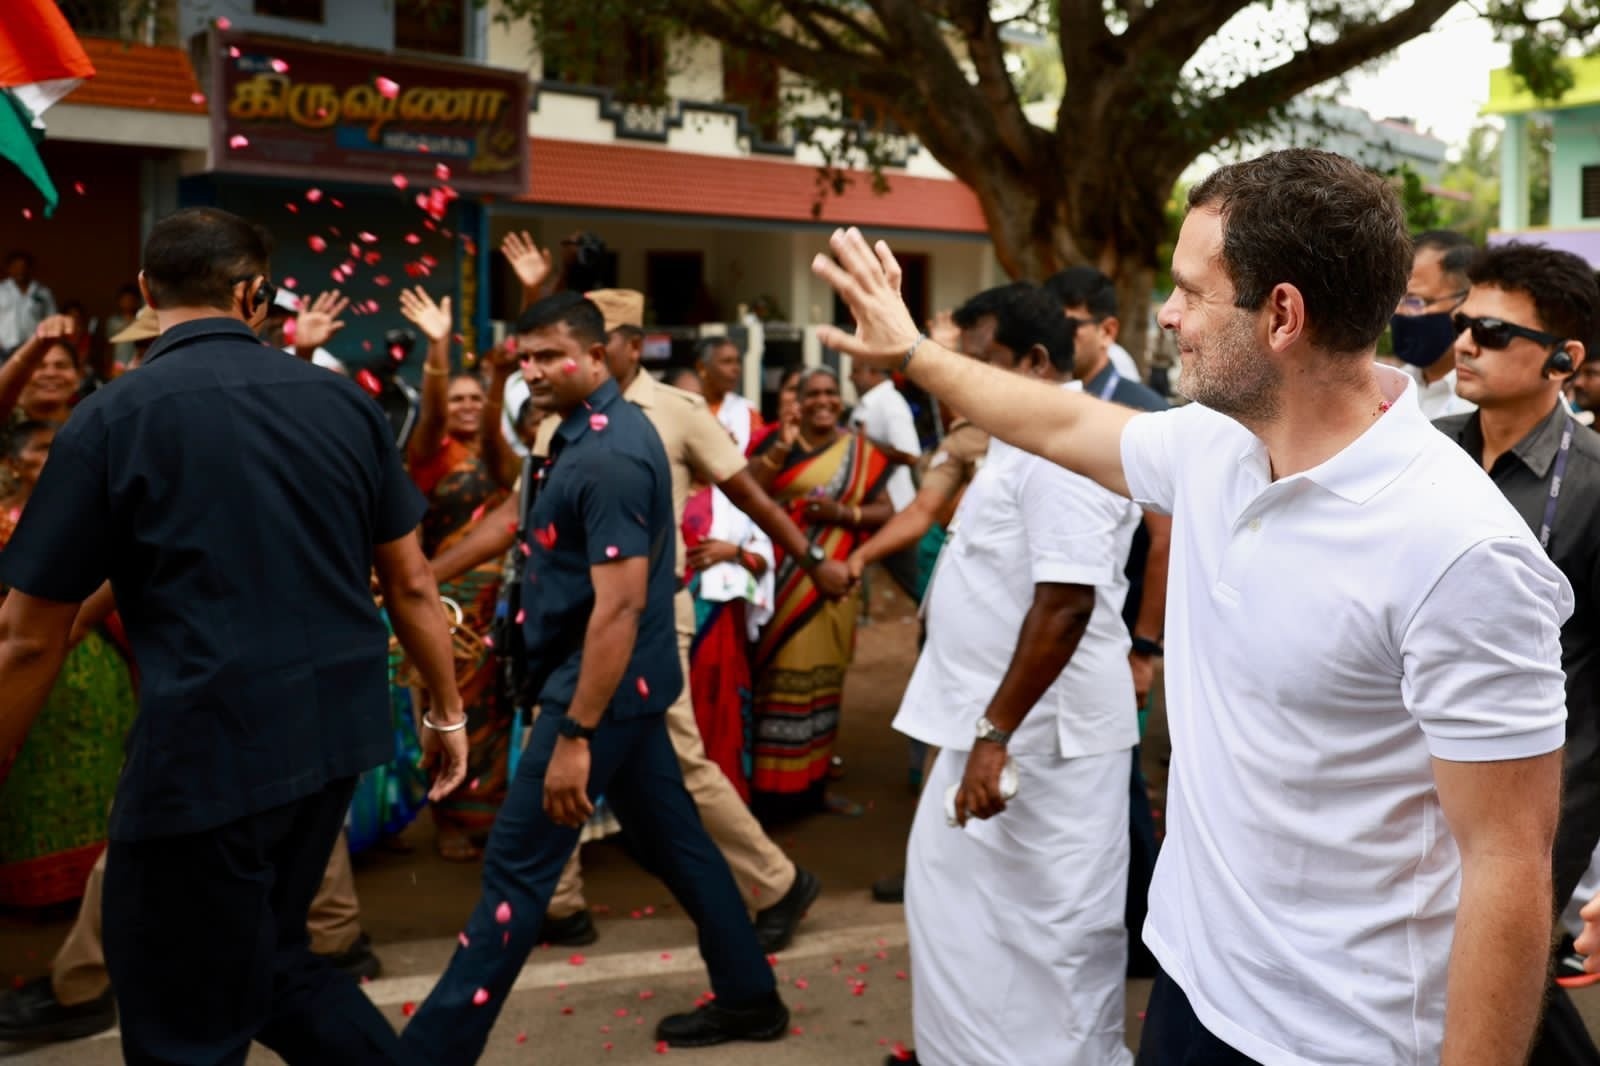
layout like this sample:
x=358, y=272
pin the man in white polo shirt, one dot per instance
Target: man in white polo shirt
x=1027, y=662
x=1363, y=659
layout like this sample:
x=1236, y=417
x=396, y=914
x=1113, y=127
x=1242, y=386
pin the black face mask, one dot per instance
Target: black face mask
x=1422, y=340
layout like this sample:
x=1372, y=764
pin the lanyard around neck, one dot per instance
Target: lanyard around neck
x=1556, y=478
x=1111, y=385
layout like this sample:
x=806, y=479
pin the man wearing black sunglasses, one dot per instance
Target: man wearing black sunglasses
x=1522, y=332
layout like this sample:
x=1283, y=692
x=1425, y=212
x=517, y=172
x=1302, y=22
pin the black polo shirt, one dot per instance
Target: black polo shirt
x=1524, y=475
x=1140, y=398
x=605, y=494
x=233, y=495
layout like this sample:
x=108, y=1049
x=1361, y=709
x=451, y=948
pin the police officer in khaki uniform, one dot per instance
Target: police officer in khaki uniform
x=698, y=449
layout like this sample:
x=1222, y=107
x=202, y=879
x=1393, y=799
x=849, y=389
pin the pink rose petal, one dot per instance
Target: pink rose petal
x=238, y=140
x=480, y=997
x=502, y=913
x=387, y=88
x=598, y=421
x=318, y=244
x=233, y=53
x=197, y=99
x=441, y=171
x=408, y=1008
x=400, y=181
x=462, y=937
x=643, y=686
x=279, y=66
x=290, y=283
x=522, y=1038
x=223, y=24
x=576, y=960
x=612, y=551
x=369, y=382
x=313, y=195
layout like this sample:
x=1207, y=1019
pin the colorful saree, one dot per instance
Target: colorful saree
x=803, y=653
x=56, y=792
x=460, y=490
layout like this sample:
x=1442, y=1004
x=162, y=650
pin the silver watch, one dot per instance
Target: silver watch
x=987, y=730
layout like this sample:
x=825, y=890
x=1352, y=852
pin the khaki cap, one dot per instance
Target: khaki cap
x=621, y=307
x=144, y=327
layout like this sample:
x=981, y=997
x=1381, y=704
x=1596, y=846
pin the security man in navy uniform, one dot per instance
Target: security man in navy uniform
x=602, y=658
x=238, y=500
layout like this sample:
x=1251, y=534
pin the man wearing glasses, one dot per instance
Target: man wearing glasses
x=1421, y=328
x=1523, y=331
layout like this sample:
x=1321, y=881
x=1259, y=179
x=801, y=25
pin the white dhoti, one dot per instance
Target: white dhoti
x=1018, y=951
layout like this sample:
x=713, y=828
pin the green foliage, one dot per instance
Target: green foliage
x=1422, y=209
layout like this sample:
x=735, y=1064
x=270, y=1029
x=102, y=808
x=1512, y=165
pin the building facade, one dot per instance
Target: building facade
x=1574, y=159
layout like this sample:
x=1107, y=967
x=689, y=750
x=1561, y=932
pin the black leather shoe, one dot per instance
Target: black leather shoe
x=358, y=960
x=890, y=889
x=775, y=926
x=573, y=931
x=715, y=1024
x=32, y=1014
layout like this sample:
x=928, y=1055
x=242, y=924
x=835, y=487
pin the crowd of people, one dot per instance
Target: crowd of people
x=1382, y=635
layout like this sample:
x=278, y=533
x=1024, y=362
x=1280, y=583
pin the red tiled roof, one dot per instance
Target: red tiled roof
x=629, y=178
x=138, y=76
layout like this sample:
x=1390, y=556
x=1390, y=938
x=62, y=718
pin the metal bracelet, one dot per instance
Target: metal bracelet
x=906, y=362
x=444, y=728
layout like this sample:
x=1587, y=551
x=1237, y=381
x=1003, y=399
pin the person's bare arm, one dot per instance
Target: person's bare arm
x=1503, y=817
x=1051, y=630
x=746, y=493
x=1151, y=622
x=434, y=320
x=33, y=645
x=1068, y=428
x=412, y=599
x=489, y=539
x=16, y=371
x=901, y=531
x=94, y=610
x=620, y=591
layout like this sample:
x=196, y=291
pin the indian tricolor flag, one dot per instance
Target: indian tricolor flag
x=40, y=62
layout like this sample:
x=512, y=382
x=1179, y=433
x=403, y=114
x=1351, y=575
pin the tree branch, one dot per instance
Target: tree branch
x=1081, y=34
x=1255, y=98
x=999, y=92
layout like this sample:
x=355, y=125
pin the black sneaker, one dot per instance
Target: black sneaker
x=715, y=1024
x=1569, y=967
x=573, y=931
x=32, y=1014
x=890, y=889
x=775, y=926
x=358, y=960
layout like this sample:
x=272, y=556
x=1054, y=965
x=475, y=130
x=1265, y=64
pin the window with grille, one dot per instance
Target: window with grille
x=1590, y=182
x=303, y=10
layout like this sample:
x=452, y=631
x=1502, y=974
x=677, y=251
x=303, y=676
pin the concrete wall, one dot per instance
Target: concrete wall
x=1575, y=145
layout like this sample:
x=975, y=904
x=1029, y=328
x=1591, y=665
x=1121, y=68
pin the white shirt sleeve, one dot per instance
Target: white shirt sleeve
x=513, y=398
x=1147, y=459
x=902, y=426
x=1070, y=522
x=1481, y=655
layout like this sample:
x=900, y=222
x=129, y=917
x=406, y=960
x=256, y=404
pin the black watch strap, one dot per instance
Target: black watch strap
x=814, y=557
x=1146, y=646
x=572, y=729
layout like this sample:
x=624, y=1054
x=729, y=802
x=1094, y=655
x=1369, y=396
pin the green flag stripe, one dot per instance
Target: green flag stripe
x=18, y=143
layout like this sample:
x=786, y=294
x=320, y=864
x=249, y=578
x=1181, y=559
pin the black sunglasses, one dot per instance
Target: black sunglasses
x=1496, y=333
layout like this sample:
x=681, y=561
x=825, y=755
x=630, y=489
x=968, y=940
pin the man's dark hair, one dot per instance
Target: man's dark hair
x=583, y=319
x=22, y=254
x=1084, y=286
x=1024, y=315
x=1561, y=285
x=194, y=258
x=1322, y=223
x=706, y=347
x=628, y=331
x=21, y=433
x=1456, y=251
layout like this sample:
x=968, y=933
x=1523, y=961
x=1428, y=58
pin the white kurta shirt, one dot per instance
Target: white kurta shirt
x=1438, y=398
x=1024, y=521
x=21, y=311
x=884, y=416
x=1328, y=634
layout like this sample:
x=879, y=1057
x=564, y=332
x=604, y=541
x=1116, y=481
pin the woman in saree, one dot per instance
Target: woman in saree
x=56, y=788
x=464, y=466
x=832, y=483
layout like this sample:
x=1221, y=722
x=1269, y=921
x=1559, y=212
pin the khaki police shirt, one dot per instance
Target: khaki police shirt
x=698, y=446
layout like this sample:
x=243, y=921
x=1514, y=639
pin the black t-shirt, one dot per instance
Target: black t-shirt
x=233, y=495
x=605, y=495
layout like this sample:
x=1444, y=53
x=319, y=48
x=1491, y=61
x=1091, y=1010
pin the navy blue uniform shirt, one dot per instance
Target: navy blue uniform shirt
x=606, y=494
x=233, y=495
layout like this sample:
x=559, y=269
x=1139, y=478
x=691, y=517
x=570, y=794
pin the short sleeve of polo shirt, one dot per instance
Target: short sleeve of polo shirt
x=399, y=507
x=1148, y=459
x=1070, y=523
x=712, y=455
x=1481, y=656
x=613, y=494
x=63, y=542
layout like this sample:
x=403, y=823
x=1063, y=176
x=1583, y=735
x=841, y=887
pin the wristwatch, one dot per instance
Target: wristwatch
x=572, y=729
x=1146, y=646
x=813, y=558
x=987, y=730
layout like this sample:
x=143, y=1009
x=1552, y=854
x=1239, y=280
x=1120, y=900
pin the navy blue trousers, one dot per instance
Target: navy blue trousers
x=633, y=764
x=205, y=938
x=1173, y=1036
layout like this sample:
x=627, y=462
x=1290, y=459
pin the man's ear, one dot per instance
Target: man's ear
x=1110, y=328
x=1037, y=361
x=144, y=290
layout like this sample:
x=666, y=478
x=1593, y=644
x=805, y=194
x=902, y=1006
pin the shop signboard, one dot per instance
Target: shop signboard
x=290, y=108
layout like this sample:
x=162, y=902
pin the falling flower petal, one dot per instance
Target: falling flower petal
x=223, y=24
x=335, y=201
x=313, y=195
x=622, y=1012
x=666, y=956
x=408, y=1008
x=77, y=187
x=318, y=244
x=280, y=67
x=645, y=993
x=643, y=686
x=198, y=99
x=661, y=1047
x=612, y=551
x=899, y=975
x=369, y=381
x=233, y=53
x=502, y=913
x=400, y=181
x=387, y=88
x=801, y=983
x=441, y=171
x=412, y=238
x=290, y=283
x=522, y=1038
x=238, y=140
x=522, y=616
x=901, y=1052
x=290, y=328
x=480, y=997
x=382, y=281
x=606, y=1046
x=566, y=1010
x=576, y=960
x=598, y=421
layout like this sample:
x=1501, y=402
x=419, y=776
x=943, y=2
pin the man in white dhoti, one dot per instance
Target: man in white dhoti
x=1018, y=946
